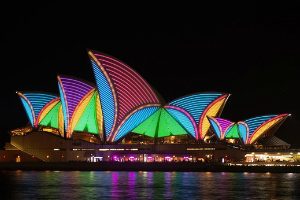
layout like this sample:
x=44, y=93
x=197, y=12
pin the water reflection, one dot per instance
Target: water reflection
x=147, y=185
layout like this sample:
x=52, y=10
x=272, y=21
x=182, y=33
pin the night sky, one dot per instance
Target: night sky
x=250, y=52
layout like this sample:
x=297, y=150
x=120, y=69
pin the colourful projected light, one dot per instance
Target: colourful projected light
x=160, y=124
x=61, y=127
x=79, y=110
x=265, y=126
x=88, y=120
x=129, y=90
x=135, y=119
x=216, y=128
x=29, y=110
x=259, y=125
x=46, y=109
x=243, y=131
x=225, y=129
x=220, y=126
x=201, y=105
x=149, y=126
x=224, y=124
x=125, y=103
x=63, y=106
x=53, y=117
x=232, y=132
x=184, y=118
x=99, y=117
x=50, y=114
x=34, y=103
x=107, y=98
x=169, y=126
x=214, y=109
x=72, y=92
x=255, y=122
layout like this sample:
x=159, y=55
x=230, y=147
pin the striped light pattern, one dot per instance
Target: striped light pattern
x=134, y=119
x=34, y=103
x=224, y=129
x=49, y=115
x=168, y=125
x=99, y=116
x=265, y=126
x=88, y=121
x=61, y=126
x=80, y=109
x=184, y=118
x=52, y=116
x=128, y=88
x=47, y=108
x=216, y=128
x=199, y=106
x=160, y=124
x=255, y=122
x=243, y=131
x=249, y=130
x=63, y=107
x=51, y=119
x=220, y=126
x=72, y=93
x=224, y=125
x=214, y=109
x=29, y=111
x=125, y=102
x=149, y=126
x=106, y=98
x=232, y=132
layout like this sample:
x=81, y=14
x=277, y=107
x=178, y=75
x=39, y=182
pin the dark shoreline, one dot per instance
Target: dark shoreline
x=115, y=166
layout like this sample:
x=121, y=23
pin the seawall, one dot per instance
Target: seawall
x=135, y=166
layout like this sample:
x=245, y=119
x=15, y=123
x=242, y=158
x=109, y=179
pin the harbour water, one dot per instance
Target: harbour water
x=147, y=185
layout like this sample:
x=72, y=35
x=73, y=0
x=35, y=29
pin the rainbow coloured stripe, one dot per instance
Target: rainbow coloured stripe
x=78, y=102
x=249, y=130
x=199, y=106
x=220, y=126
x=124, y=90
x=160, y=124
x=34, y=103
x=259, y=125
x=123, y=102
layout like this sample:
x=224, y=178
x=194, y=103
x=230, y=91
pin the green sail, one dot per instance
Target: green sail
x=51, y=118
x=160, y=124
x=148, y=127
x=88, y=120
x=233, y=132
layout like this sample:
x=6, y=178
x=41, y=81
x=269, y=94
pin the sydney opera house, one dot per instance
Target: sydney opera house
x=121, y=118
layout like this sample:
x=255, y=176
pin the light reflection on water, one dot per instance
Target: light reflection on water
x=147, y=185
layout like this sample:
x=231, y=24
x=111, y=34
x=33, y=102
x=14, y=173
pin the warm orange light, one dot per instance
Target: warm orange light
x=261, y=130
x=212, y=111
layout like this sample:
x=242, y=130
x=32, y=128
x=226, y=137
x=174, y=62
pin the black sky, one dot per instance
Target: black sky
x=249, y=51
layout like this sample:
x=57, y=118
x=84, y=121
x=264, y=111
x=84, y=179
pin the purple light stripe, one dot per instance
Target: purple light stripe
x=74, y=91
x=144, y=83
x=125, y=90
x=119, y=83
x=224, y=124
x=118, y=80
x=131, y=77
x=129, y=87
x=128, y=74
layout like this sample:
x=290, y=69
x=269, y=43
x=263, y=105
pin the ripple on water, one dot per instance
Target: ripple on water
x=147, y=185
